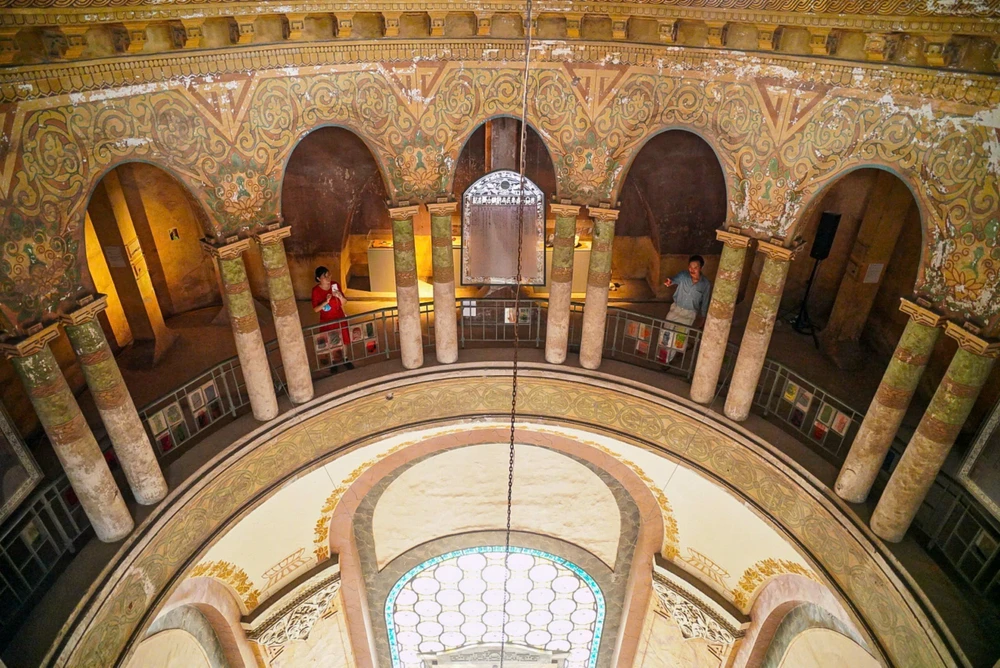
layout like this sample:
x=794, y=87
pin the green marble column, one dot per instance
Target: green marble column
x=445, y=315
x=246, y=329
x=71, y=438
x=595, y=310
x=287, y=325
x=936, y=433
x=886, y=411
x=720, y=316
x=113, y=401
x=561, y=283
x=760, y=325
x=411, y=340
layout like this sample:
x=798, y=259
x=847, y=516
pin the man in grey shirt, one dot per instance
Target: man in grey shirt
x=694, y=292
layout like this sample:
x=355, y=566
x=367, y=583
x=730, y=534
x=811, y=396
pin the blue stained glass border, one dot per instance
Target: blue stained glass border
x=390, y=601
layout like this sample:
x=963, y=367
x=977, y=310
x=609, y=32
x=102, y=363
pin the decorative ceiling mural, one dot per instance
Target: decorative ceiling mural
x=182, y=531
x=709, y=533
x=784, y=129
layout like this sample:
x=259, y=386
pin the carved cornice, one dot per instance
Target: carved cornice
x=602, y=214
x=890, y=14
x=733, y=239
x=403, y=212
x=35, y=81
x=31, y=344
x=972, y=343
x=920, y=314
x=230, y=251
x=776, y=252
x=272, y=236
x=442, y=208
x=565, y=210
x=87, y=311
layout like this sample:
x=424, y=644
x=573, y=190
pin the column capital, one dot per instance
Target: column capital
x=564, y=210
x=87, y=310
x=602, y=214
x=31, y=344
x=733, y=239
x=442, y=208
x=403, y=212
x=229, y=251
x=920, y=314
x=776, y=252
x=972, y=343
x=272, y=236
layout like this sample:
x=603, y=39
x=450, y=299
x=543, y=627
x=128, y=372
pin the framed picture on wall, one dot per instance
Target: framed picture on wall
x=19, y=473
x=157, y=423
x=369, y=330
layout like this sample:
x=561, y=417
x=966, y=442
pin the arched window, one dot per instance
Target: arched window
x=457, y=600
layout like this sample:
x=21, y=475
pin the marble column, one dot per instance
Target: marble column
x=757, y=336
x=886, y=411
x=411, y=339
x=285, y=310
x=445, y=315
x=595, y=310
x=71, y=438
x=113, y=401
x=560, y=283
x=720, y=316
x=936, y=433
x=246, y=329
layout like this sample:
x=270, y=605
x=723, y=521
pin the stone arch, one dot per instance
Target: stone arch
x=816, y=191
x=191, y=619
x=463, y=141
x=322, y=219
x=377, y=156
x=219, y=606
x=799, y=619
x=779, y=597
x=729, y=177
x=344, y=544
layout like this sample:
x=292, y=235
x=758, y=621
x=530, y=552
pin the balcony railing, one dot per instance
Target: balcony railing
x=39, y=539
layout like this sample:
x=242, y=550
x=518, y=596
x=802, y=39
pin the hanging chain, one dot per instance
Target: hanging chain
x=517, y=317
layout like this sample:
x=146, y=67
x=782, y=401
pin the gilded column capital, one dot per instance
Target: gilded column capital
x=564, y=210
x=972, y=343
x=776, y=252
x=403, y=212
x=602, y=214
x=920, y=314
x=229, y=251
x=31, y=344
x=442, y=208
x=272, y=236
x=87, y=310
x=733, y=239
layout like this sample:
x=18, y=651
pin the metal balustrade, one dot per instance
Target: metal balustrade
x=50, y=526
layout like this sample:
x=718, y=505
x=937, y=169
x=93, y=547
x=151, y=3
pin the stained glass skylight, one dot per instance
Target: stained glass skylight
x=457, y=600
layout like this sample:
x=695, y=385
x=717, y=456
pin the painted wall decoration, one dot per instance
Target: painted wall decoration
x=784, y=129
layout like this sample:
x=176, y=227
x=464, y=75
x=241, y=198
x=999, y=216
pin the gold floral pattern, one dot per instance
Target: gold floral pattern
x=754, y=578
x=233, y=576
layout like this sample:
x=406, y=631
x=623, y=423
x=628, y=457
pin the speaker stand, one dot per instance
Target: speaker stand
x=802, y=324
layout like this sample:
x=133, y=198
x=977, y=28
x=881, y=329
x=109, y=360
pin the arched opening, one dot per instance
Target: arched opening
x=495, y=145
x=673, y=200
x=871, y=246
x=142, y=241
x=333, y=198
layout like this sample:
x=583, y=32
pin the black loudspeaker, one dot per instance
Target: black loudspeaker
x=825, y=233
